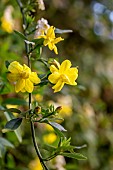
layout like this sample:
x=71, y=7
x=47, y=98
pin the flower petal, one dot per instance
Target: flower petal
x=28, y=86
x=65, y=66
x=58, y=86
x=72, y=75
x=50, y=32
x=26, y=69
x=19, y=85
x=23, y=90
x=50, y=45
x=55, y=49
x=15, y=67
x=53, y=78
x=42, y=36
x=46, y=42
x=56, y=63
x=12, y=77
x=57, y=40
x=53, y=69
x=34, y=78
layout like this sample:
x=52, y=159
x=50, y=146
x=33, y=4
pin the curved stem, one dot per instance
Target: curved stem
x=30, y=95
x=36, y=146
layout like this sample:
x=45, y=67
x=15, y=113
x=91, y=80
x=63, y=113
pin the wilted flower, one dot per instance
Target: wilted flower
x=22, y=77
x=42, y=26
x=41, y=4
x=60, y=162
x=62, y=74
x=7, y=22
x=50, y=39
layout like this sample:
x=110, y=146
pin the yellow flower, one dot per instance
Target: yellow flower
x=50, y=138
x=38, y=97
x=22, y=77
x=35, y=165
x=7, y=22
x=41, y=4
x=7, y=25
x=66, y=111
x=50, y=39
x=62, y=74
x=49, y=127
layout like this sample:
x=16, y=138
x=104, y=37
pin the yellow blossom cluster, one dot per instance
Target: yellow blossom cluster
x=24, y=78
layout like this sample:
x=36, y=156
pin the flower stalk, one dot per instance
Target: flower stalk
x=30, y=94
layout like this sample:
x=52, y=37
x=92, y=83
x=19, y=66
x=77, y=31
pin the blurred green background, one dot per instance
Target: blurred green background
x=89, y=119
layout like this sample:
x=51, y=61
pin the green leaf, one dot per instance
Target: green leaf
x=62, y=31
x=10, y=116
x=77, y=156
x=38, y=51
x=2, y=150
x=5, y=142
x=38, y=41
x=7, y=63
x=14, y=101
x=59, y=133
x=13, y=110
x=20, y=35
x=57, y=126
x=66, y=148
x=43, y=82
x=13, y=124
x=49, y=148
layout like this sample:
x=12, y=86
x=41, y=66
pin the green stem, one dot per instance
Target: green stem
x=30, y=95
x=51, y=157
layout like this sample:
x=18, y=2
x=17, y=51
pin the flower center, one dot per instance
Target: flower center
x=64, y=78
x=24, y=75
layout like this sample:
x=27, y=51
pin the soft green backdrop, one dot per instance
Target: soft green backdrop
x=90, y=47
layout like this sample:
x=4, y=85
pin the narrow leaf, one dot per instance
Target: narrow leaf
x=38, y=41
x=2, y=150
x=13, y=110
x=62, y=31
x=13, y=124
x=49, y=148
x=59, y=133
x=20, y=35
x=5, y=142
x=77, y=156
x=57, y=126
x=14, y=101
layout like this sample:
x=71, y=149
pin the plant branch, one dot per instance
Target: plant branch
x=30, y=95
x=36, y=147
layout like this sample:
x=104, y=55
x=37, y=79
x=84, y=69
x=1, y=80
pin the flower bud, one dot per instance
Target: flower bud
x=58, y=109
x=37, y=110
x=55, y=63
